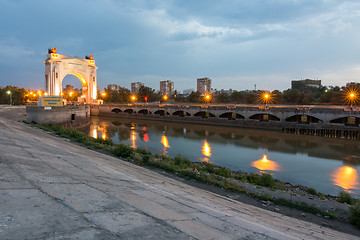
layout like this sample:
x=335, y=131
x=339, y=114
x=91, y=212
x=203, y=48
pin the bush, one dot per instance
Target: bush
x=105, y=141
x=266, y=180
x=179, y=160
x=124, y=151
x=143, y=151
x=311, y=191
x=355, y=215
x=345, y=197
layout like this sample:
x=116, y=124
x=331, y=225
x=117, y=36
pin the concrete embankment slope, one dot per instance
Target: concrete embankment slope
x=53, y=189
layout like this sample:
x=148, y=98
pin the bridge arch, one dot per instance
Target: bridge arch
x=204, y=114
x=116, y=110
x=58, y=66
x=144, y=112
x=231, y=115
x=181, y=114
x=162, y=112
x=265, y=117
x=303, y=118
x=129, y=111
x=347, y=121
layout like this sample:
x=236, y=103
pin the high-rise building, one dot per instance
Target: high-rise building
x=166, y=87
x=135, y=87
x=113, y=87
x=204, y=85
x=188, y=91
x=301, y=84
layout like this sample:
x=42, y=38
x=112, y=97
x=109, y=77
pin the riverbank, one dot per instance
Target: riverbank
x=278, y=196
x=79, y=192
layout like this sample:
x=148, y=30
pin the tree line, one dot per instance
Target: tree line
x=305, y=95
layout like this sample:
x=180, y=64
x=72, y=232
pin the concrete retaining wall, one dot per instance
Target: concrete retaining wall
x=69, y=115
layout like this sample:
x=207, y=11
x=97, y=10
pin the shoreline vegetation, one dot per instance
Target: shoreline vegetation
x=260, y=186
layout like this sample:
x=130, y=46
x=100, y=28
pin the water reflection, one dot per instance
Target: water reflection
x=145, y=137
x=346, y=177
x=165, y=143
x=94, y=133
x=299, y=159
x=265, y=164
x=133, y=138
x=206, y=151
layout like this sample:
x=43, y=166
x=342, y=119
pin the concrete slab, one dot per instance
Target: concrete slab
x=28, y=213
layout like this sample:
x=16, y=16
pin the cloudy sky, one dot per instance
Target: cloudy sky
x=235, y=43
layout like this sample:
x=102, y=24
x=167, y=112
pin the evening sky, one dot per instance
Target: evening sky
x=236, y=43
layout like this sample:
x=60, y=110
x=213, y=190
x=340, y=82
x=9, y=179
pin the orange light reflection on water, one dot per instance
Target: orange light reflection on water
x=206, y=151
x=266, y=164
x=133, y=138
x=165, y=141
x=346, y=177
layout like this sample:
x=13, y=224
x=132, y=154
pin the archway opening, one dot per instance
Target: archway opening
x=264, y=117
x=72, y=88
x=231, y=116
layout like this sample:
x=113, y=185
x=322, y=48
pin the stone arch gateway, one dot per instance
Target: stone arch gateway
x=58, y=66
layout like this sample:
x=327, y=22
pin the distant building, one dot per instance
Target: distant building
x=135, y=87
x=301, y=84
x=204, y=85
x=188, y=91
x=113, y=87
x=166, y=87
x=226, y=91
x=68, y=88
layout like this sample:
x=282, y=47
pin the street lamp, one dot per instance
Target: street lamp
x=9, y=92
x=207, y=98
x=133, y=98
x=351, y=96
x=265, y=98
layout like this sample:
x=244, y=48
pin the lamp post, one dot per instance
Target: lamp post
x=266, y=98
x=207, y=98
x=351, y=98
x=165, y=98
x=133, y=98
x=9, y=92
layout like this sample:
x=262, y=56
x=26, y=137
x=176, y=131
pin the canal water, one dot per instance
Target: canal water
x=326, y=164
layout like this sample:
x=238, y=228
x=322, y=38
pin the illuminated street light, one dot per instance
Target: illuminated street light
x=103, y=94
x=351, y=96
x=133, y=98
x=207, y=98
x=10, y=100
x=266, y=98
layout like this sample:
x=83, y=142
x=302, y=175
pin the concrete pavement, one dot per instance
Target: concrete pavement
x=53, y=189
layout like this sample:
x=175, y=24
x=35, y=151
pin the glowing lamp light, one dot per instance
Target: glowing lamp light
x=133, y=98
x=71, y=93
x=103, y=94
x=351, y=96
x=165, y=97
x=8, y=92
x=145, y=98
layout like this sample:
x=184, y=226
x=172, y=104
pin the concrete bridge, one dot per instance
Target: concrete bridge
x=285, y=117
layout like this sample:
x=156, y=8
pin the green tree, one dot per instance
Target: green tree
x=194, y=97
x=150, y=93
x=237, y=97
x=222, y=98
